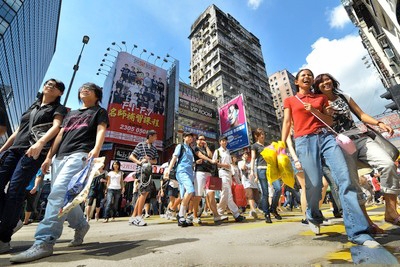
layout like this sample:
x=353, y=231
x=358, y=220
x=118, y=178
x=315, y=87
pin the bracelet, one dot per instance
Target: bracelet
x=379, y=122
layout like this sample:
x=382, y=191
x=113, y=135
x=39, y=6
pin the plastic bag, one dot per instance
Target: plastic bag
x=270, y=156
x=285, y=167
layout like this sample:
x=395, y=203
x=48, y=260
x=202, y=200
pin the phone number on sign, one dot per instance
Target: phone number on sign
x=132, y=129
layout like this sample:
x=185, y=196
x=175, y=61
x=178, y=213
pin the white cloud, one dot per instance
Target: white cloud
x=254, y=4
x=342, y=59
x=338, y=17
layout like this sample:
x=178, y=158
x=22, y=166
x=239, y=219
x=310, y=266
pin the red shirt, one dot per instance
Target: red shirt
x=304, y=121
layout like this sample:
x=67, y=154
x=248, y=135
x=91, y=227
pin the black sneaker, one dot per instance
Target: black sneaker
x=181, y=221
x=304, y=221
x=276, y=215
x=268, y=218
x=240, y=218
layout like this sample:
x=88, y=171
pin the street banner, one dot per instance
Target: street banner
x=233, y=123
x=137, y=101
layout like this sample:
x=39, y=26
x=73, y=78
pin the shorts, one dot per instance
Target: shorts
x=252, y=194
x=200, y=179
x=146, y=180
x=172, y=192
x=185, y=183
x=30, y=200
x=98, y=200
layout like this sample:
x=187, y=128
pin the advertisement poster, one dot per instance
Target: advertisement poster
x=137, y=101
x=233, y=124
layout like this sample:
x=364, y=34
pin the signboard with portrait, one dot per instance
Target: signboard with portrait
x=233, y=123
x=137, y=101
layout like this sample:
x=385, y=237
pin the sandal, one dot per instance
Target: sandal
x=376, y=230
x=395, y=221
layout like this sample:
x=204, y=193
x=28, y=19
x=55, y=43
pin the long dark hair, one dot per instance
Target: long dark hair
x=319, y=79
x=118, y=163
x=60, y=86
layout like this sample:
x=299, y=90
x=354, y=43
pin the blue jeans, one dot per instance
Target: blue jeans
x=113, y=196
x=50, y=228
x=19, y=170
x=262, y=178
x=311, y=150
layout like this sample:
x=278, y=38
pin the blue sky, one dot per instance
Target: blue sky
x=293, y=34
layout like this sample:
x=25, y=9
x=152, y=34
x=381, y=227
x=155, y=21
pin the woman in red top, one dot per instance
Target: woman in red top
x=314, y=143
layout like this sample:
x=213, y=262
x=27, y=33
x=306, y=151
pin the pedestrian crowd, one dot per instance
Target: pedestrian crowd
x=196, y=180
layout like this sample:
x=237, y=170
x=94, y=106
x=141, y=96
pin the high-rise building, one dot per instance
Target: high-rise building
x=28, y=34
x=282, y=86
x=379, y=28
x=226, y=60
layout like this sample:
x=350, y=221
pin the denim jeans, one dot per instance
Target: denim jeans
x=19, y=170
x=63, y=169
x=311, y=150
x=113, y=196
x=262, y=178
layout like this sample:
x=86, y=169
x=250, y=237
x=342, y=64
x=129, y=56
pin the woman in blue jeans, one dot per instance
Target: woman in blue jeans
x=115, y=188
x=258, y=163
x=80, y=138
x=22, y=155
x=313, y=144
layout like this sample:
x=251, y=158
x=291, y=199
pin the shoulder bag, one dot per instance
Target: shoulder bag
x=38, y=131
x=342, y=140
x=214, y=182
x=377, y=136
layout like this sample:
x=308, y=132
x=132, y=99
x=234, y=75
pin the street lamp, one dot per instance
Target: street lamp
x=151, y=54
x=164, y=61
x=104, y=64
x=114, y=43
x=156, y=60
x=85, y=40
x=109, y=55
x=134, y=46
x=104, y=60
x=109, y=49
x=144, y=51
x=98, y=73
x=124, y=43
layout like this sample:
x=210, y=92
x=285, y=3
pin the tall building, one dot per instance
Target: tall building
x=282, y=86
x=226, y=60
x=379, y=27
x=28, y=34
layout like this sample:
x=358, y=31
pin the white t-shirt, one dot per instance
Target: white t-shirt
x=115, y=179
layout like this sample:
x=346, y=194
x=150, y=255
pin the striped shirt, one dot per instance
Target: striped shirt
x=141, y=150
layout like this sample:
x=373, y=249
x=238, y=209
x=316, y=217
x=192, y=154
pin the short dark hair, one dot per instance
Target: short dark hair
x=223, y=137
x=98, y=91
x=150, y=133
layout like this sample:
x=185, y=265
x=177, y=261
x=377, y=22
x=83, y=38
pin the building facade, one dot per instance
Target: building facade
x=378, y=23
x=28, y=35
x=226, y=60
x=282, y=86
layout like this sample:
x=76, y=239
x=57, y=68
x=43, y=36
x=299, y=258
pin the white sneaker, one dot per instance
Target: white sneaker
x=197, y=220
x=131, y=220
x=139, y=221
x=79, y=235
x=4, y=247
x=314, y=227
x=18, y=226
x=253, y=214
x=371, y=244
x=37, y=251
x=220, y=218
x=168, y=214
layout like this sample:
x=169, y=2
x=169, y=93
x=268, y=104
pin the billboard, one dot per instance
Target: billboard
x=233, y=123
x=137, y=101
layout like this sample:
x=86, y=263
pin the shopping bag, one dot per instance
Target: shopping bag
x=78, y=188
x=285, y=167
x=239, y=195
x=270, y=156
x=213, y=183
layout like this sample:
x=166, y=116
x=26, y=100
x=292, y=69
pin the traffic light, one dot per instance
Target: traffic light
x=393, y=93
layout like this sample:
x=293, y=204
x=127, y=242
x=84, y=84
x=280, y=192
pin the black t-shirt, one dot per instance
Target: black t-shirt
x=44, y=114
x=3, y=117
x=206, y=165
x=80, y=129
x=258, y=149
